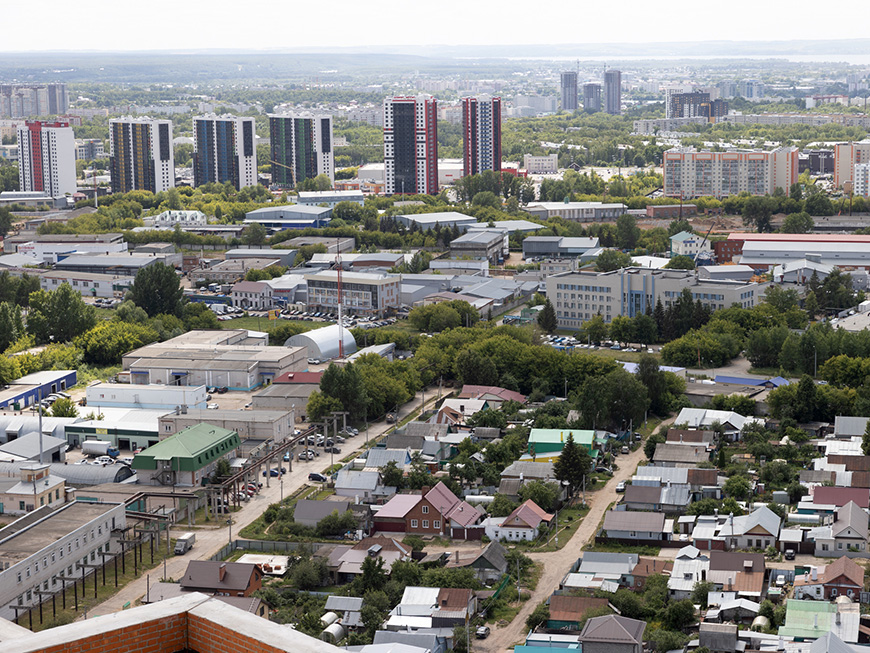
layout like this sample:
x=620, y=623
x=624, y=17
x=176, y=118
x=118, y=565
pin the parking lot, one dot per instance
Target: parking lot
x=570, y=342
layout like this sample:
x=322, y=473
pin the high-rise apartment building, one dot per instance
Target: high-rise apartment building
x=592, y=98
x=141, y=155
x=411, y=145
x=47, y=158
x=613, y=92
x=224, y=149
x=33, y=100
x=481, y=127
x=696, y=103
x=846, y=157
x=570, y=96
x=689, y=173
x=301, y=145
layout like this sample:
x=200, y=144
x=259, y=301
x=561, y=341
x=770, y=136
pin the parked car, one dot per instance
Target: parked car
x=314, y=361
x=212, y=406
x=274, y=472
x=332, y=450
x=318, y=478
x=223, y=390
x=620, y=487
x=789, y=554
x=482, y=632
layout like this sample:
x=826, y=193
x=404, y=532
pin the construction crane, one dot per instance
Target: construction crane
x=290, y=168
x=704, y=240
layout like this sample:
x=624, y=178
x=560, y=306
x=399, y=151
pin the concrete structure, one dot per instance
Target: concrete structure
x=481, y=143
x=33, y=100
x=252, y=295
x=46, y=158
x=232, y=270
x=301, y=147
x=592, y=97
x=485, y=245
x=53, y=248
x=252, y=424
x=225, y=150
x=362, y=293
x=569, y=91
x=142, y=156
x=30, y=389
x=87, y=149
x=218, y=358
x=332, y=245
x=613, y=92
x=114, y=264
x=290, y=216
x=149, y=397
x=689, y=173
x=576, y=211
x=411, y=145
x=541, y=165
x=330, y=197
x=579, y=296
x=691, y=245
x=286, y=257
x=184, y=219
x=36, y=488
x=846, y=157
x=187, y=457
x=87, y=284
x=39, y=547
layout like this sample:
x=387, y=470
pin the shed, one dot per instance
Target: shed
x=322, y=344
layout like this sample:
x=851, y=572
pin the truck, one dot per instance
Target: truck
x=95, y=448
x=184, y=543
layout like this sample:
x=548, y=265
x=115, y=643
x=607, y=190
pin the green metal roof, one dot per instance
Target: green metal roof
x=683, y=235
x=191, y=449
x=561, y=435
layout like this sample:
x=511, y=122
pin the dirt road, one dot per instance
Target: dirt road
x=210, y=541
x=557, y=563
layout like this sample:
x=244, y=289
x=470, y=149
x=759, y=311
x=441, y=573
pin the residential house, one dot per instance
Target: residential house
x=566, y=612
x=600, y=571
x=345, y=562
x=489, y=565
x=843, y=577
x=824, y=500
x=436, y=511
x=720, y=638
x=252, y=295
x=378, y=458
x=222, y=578
x=757, y=530
x=520, y=472
x=523, y=524
x=492, y=394
x=850, y=427
x=735, y=610
x=680, y=455
x=545, y=445
x=639, y=527
x=669, y=499
x=454, y=412
x=310, y=512
x=354, y=483
x=612, y=633
x=645, y=568
x=390, y=641
x=687, y=436
x=703, y=483
x=690, y=567
x=702, y=418
x=742, y=573
x=847, y=535
x=807, y=620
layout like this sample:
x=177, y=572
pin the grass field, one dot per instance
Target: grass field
x=265, y=324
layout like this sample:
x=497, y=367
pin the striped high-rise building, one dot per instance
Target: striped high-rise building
x=301, y=148
x=141, y=155
x=411, y=145
x=481, y=125
x=570, y=96
x=47, y=158
x=224, y=150
x=613, y=92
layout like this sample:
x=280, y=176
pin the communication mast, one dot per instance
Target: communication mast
x=338, y=269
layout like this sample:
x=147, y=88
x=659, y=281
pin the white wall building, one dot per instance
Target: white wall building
x=147, y=397
x=363, y=293
x=687, y=244
x=48, y=252
x=541, y=165
x=861, y=179
x=168, y=219
x=846, y=157
x=34, y=554
x=47, y=158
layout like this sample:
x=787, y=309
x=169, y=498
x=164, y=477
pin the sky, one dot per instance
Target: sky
x=112, y=25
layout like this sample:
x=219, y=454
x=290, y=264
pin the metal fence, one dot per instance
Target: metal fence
x=264, y=546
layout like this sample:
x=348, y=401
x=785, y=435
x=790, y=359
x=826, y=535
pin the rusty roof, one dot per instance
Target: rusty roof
x=572, y=608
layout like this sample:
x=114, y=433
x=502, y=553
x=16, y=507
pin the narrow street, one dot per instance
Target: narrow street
x=557, y=563
x=210, y=540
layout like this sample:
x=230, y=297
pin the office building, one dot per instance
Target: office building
x=613, y=92
x=537, y=104
x=187, y=456
x=481, y=145
x=581, y=295
x=411, y=145
x=861, y=180
x=88, y=149
x=301, y=146
x=33, y=100
x=751, y=89
x=224, y=150
x=846, y=157
x=569, y=90
x=362, y=293
x=141, y=155
x=592, y=98
x=541, y=165
x=727, y=89
x=47, y=158
x=577, y=211
x=689, y=173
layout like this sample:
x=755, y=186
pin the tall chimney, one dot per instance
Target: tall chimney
x=457, y=556
x=222, y=571
x=814, y=573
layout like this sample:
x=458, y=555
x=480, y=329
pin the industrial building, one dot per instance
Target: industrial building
x=87, y=284
x=39, y=547
x=35, y=488
x=232, y=270
x=290, y=216
x=576, y=211
x=557, y=246
x=579, y=296
x=253, y=424
x=446, y=219
x=230, y=359
x=124, y=265
x=322, y=344
x=484, y=245
x=126, y=429
x=763, y=251
x=154, y=397
x=186, y=457
x=329, y=197
x=30, y=389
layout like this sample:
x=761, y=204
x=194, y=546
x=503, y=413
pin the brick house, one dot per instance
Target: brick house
x=843, y=577
x=222, y=578
x=429, y=513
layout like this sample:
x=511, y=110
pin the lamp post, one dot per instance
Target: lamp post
x=230, y=525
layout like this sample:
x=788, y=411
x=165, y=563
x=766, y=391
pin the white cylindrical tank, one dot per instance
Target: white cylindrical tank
x=843, y=599
x=328, y=619
x=479, y=498
x=798, y=518
x=333, y=633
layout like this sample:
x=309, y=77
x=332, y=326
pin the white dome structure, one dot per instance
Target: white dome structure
x=322, y=344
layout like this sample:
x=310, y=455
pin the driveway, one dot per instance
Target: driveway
x=210, y=540
x=557, y=563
